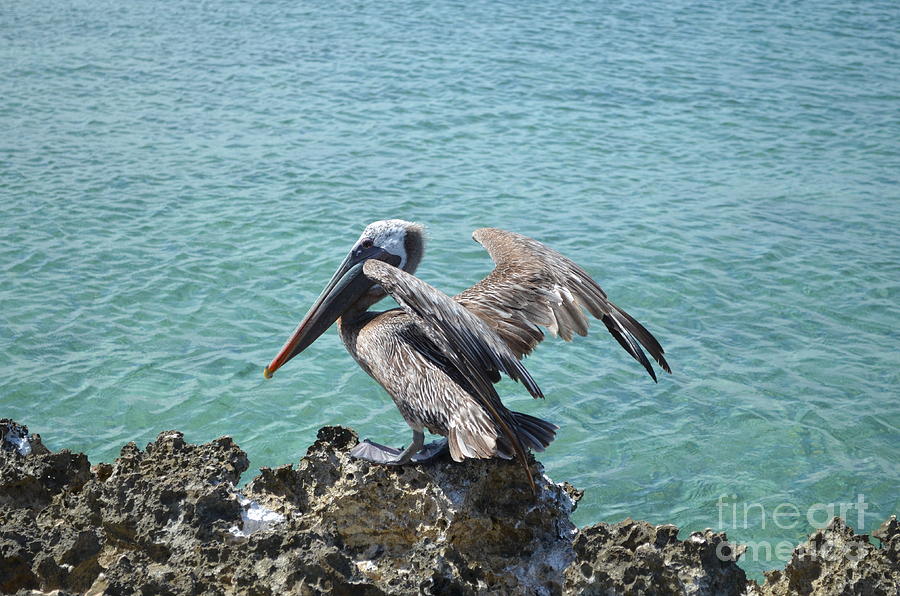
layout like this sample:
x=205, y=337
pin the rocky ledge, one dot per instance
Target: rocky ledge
x=168, y=520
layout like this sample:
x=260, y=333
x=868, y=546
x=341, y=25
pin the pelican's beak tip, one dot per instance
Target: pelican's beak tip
x=267, y=373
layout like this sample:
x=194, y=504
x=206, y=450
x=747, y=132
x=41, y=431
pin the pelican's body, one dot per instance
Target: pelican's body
x=420, y=390
x=438, y=357
x=425, y=395
x=389, y=347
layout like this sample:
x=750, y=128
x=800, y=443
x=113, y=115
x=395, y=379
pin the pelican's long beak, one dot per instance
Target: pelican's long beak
x=347, y=285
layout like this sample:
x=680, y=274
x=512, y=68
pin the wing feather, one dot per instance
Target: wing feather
x=534, y=286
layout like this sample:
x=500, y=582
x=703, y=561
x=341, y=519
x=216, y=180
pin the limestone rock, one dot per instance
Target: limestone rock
x=32, y=480
x=837, y=561
x=635, y=557
x=459, y=527
x=168, y=520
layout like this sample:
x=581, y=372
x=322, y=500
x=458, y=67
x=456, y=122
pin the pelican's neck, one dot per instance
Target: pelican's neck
x=352, y=321
x=359, y=308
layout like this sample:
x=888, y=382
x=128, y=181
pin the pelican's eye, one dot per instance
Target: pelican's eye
x=367, y=243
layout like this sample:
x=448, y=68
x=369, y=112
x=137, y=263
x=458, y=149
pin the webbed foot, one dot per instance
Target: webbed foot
x=431, y=451
x=417, y=452
x=376, y=453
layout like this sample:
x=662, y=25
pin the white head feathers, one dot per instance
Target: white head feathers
x=391, y=235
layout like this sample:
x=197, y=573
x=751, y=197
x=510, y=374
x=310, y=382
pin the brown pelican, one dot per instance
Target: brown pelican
x=438, y=357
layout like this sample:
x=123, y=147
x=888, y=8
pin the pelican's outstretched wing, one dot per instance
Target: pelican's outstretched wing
x=534, y=285
x=471, y=346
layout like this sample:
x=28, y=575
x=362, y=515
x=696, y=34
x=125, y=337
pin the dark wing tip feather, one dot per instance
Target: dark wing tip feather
x=627, y=341
x=645, y=337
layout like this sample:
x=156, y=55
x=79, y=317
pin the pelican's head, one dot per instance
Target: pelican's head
x=397, y=237
x=400, y=243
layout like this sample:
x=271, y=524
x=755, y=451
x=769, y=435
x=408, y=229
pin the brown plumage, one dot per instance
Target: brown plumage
x=439, y=357
x=533, y=285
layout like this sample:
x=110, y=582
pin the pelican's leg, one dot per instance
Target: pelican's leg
x=417, y=452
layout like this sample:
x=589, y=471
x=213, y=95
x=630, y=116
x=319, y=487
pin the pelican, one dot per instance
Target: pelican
x=438, y=357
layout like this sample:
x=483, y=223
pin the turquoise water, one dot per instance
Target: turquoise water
x=179, y=180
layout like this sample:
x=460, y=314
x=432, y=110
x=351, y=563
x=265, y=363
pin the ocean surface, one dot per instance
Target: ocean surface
x=178, y=180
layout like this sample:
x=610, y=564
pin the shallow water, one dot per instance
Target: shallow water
x=180, y=179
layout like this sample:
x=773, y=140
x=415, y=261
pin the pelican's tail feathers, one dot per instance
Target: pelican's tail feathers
x=534, y=433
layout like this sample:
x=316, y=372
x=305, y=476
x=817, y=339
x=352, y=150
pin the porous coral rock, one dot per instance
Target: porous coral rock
x=168, y=520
